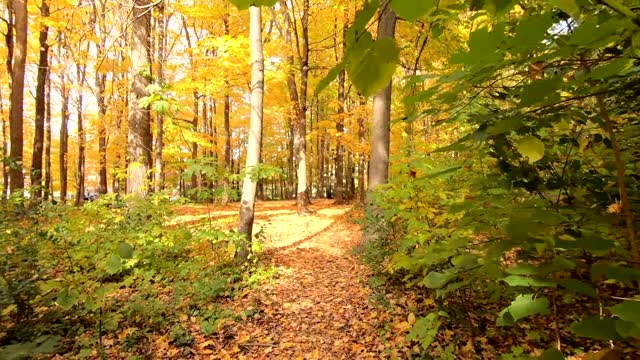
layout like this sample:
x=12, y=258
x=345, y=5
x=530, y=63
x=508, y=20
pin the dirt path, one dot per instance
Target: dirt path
x=317, y=307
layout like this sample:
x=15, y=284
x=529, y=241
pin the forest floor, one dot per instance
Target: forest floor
x=317, y=306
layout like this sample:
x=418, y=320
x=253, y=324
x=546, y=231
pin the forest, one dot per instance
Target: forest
x=320, y=179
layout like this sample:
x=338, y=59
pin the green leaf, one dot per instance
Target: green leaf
x=531, y=31
x=484, y=48
x=627, y=329
x=579, y=287
x=245, y=4
x=523, y=269
x=587, y=241
x=425, y=329
x=331, y=75
x=612, y=68
x=67, y=298
x=531, y=147
x=568, y=6
x=523, y=306
x=505, y=125
x=374, y=70
x=540, y=92
x=620, y=273
x=125, y=251
x=363, y=16
x=436, y=280
x=514, y=280
x=412, y=10
x=551, y=354
x=114, y=264
x=628, y=311
x=596, y=328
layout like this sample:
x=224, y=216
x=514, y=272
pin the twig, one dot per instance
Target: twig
x=257, y=344
x=624, y=196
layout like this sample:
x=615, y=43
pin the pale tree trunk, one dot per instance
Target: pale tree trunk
x=64, y=135
x=300, y=141
x=16, y=111
x=247, y=205
x=380, y=134
x=139, y=138
x=38, y=138
x=80, y=72
x=159, y=164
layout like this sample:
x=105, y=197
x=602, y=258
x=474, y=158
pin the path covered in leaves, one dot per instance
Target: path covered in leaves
x=317, y=306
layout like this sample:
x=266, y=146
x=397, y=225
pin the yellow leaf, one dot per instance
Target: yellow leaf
x=411, y=319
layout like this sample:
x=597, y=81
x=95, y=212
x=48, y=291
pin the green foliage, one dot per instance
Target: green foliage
x=110, y=265
x=523, y=207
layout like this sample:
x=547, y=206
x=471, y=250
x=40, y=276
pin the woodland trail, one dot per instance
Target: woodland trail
x=317, y=306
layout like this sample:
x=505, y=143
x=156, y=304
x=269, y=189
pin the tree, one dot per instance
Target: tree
x=162, y=46
x=247, y=204
x=139, y=138
x=99, y=14
x=340, y=116
x=64, y=131
x=299, y=98
x=16, y=178
x=380, y=134
x=38, y=138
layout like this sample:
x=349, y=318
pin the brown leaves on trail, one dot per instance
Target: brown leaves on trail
x=317, y=307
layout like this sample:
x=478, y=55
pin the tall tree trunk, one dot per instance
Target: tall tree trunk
x=80, y=71
x=300, y=141
x=340, y=118
x=194, y=145
x=16, y=178
x=38, y=138
x=8, y=38
x=139, y=138
x=362, y=157
x=380, y=135
x=5, y=150
x=159, y=163
x=48, y=191
x=64, y=135
x=227, y=127
x=247, y=206
x=101, y=79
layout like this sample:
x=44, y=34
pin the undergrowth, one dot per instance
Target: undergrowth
x=111, y=278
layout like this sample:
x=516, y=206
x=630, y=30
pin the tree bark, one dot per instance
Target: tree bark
x=362, y=157
x=194, y=145
x=159, y=175
x=64, y=134
x=247, y=207
x=80, y=186
x=5, y=150
x=340, y=118
x=139, y=138
x=380, y=134
x=101, y=79
x=48, y=184
x=38, y=138
x=16, y=110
